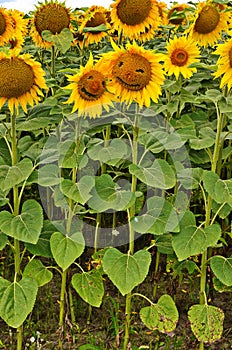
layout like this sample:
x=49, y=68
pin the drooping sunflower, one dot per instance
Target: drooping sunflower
x=209, y=23
x=177, y=14
x=6, y=28
x=182, y=52
x=136, y=73
x=94, y=17
x=22, y=79
x=91, y=90
x=132, y=17
x=52, y=16
x=224, y=63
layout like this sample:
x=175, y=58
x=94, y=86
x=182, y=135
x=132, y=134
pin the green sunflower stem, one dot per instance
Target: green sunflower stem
x=16, y=203
x=208, y=210
x=53, y=61
x=131, y=214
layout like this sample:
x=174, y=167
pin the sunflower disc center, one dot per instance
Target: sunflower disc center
x=132, y=12
x=207, y=20
x=132, y=71
x=179, y=57
x=230, y=57
x=17, y=77
x=92, y=85
x=52, y=17
x=2, y=24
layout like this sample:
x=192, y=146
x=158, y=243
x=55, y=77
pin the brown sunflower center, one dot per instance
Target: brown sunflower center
x=96, y=20
x=132, y=12
x=132, y=71
x=2, y=24
x=53, y=17
x=17, y=77
x=230, y=57
x=179, y=57
x=92, y=85
x=207, y=20
x=177, y=9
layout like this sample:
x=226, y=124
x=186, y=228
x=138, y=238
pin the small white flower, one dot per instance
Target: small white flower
x=115, y=233
x=32, y=339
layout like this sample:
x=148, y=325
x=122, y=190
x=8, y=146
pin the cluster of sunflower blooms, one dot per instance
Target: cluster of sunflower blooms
x=129, y=72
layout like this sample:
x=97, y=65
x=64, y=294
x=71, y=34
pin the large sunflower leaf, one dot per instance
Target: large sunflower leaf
x=206, y=322
x=124, y=270
x=26, y=226
x=17, y=300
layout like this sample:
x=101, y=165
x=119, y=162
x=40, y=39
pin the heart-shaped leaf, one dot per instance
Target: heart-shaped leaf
x=160, y=218
x=26, y=226
x=222, y=268
x=14, y=175
x=38, y=271
x=89, y=286
x=124, y=270
x=17, y=300
x=206, y=322
x=192, y=240
x=162, y=316
x=159, y=175
x=66, y=249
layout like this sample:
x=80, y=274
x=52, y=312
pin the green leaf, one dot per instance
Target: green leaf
x=106, y=194
x=14, y=175
x=17, y=300
x=162, y=316
x=97, y=29
x=88, y=347
x=116, y=150
x=124, y=270
x=80, y=191
x=89, y=286
x=206, y=322
x=205, y=139
x=192, y=240
x=159, y=175
x=42, y=247
x=66, y=249
x=222, y=268
x=3, y=240
x=63, y=40
x=159, y=218
x=26, y=226
x=35, y=269
x=48, y=175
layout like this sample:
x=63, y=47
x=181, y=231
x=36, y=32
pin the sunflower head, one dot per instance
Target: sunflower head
x=136, y=74
x=132, y=71
x=209, y=23
x=207, y=20
x=90, y=90
x=21, y=80
x=133, y=17
x=177, y=9
x=224, y=64
x=50, y=16
x=182, y=52
x=6, y=26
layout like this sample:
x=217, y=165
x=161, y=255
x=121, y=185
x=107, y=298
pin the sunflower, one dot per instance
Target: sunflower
x=162, y=10
x=50, y=16
x=181, y=53
x=136, y=73
x=21, y=81
x=209, y=23
x=19, y=25
x=94, y=17
x=132, y=17
x=224, y=63
x=6, y=28
x=91, y=90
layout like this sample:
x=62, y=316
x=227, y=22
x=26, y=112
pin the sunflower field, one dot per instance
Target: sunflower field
x=115, y=176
